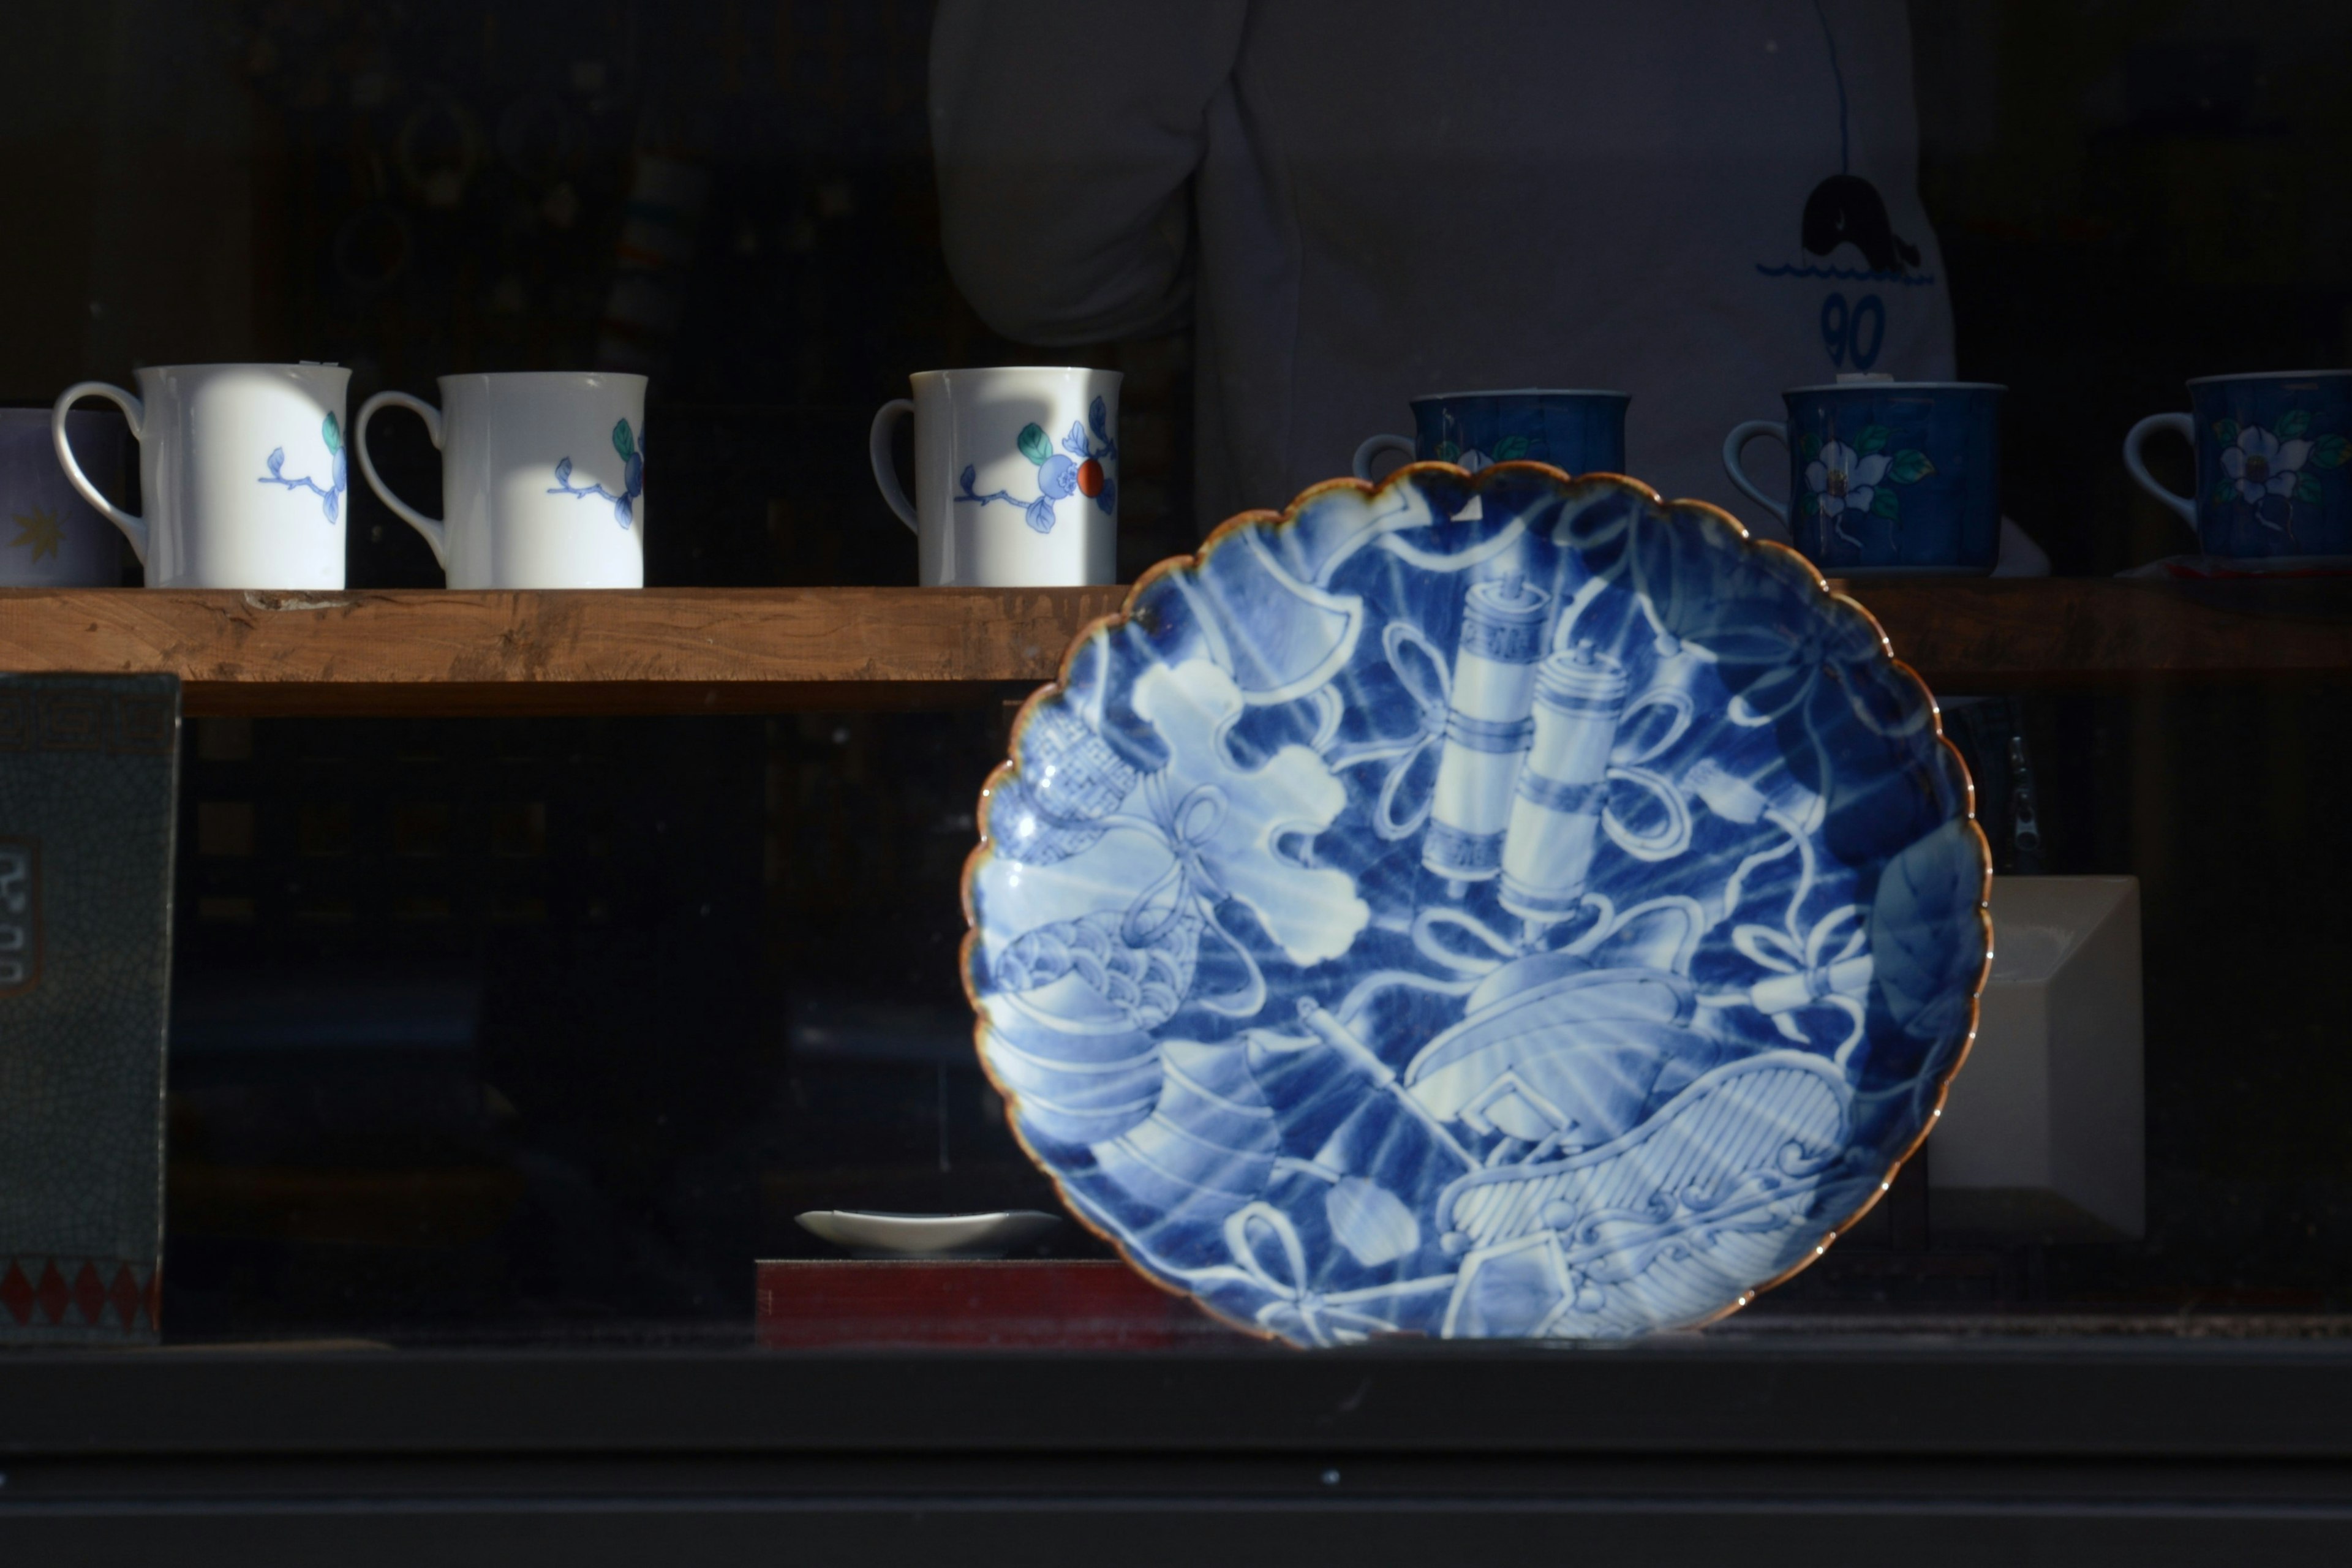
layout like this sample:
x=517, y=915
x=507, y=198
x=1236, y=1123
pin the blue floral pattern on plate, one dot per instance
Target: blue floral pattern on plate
x=1557, y=922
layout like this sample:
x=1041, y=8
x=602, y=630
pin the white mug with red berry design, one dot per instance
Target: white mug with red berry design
x=1017, y=476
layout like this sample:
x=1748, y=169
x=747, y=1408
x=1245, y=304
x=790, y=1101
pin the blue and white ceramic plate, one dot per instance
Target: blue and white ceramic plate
x=1477, y=907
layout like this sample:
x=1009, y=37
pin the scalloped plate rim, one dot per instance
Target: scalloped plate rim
x=1706, y=514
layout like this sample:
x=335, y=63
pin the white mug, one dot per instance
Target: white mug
x=542, y=475
x=1017, y=476
x=242, y=470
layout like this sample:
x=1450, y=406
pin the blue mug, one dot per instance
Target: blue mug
x=1582, y=432
x=1886, y=479
x=50, y=536
x=2270, y=451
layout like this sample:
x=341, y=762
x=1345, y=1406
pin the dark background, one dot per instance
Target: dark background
x=531, y=1028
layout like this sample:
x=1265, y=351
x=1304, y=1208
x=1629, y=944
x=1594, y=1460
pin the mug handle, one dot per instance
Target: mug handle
x=436, y=532
x=134, y=527
x=1736, y=443
x=886, y=472
x=2187, y=428
x=1374, y=448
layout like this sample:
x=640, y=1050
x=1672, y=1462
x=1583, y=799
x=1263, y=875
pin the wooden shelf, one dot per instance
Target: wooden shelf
x=659, y=650
x=1985, y=635
x=767, y=649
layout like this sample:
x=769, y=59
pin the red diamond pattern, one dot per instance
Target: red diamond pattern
x=90, y=1293
x=16, y=1294
x=74, y=1293
x=124, y=1295
x=52, y=1294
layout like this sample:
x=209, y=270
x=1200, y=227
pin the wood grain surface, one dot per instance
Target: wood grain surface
x=654, y=650
x=1986, y=634
x=754, y=649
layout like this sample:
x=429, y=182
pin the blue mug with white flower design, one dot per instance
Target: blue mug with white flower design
x=1886, y=479
x=50, y=536
x=2271, y=452
x=1582, y=432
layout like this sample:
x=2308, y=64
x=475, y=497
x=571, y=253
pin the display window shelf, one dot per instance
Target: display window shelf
x=513, y=970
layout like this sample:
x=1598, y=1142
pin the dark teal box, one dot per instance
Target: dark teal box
x=89, y=785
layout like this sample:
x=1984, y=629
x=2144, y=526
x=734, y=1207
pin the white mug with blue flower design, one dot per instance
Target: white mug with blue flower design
x=542, y=475
x=241, y=468
x=1017, y=476
x=2271, y=454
